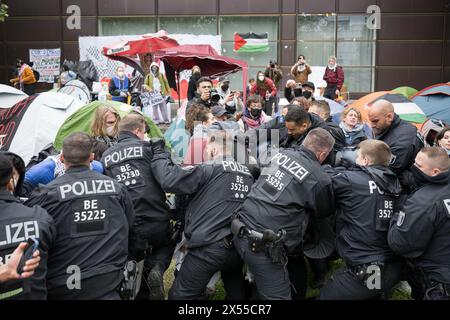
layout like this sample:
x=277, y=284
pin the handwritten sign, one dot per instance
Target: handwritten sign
x=150, y=99
x=47, y=62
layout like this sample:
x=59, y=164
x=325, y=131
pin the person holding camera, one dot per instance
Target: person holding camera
x=301, y=70
x=229, y=99
x=292, y=90
x=266, y=89
x=205, y=96
x=274, y=73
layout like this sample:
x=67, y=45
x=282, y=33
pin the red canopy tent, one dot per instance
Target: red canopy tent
x=129, y=52
x=179, y=58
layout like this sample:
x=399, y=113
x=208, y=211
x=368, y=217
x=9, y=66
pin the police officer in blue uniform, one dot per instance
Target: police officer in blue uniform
x=420, y=232
x=272, y=220
x=366, y=198
x=128, y=163
x=217, y=188
x=92, y=214
x=18, y=223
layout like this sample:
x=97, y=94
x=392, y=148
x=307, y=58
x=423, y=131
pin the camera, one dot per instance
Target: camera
x=215, y=96
x=298, y=91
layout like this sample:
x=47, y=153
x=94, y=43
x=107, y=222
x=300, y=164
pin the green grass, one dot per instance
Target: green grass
x=397, y=293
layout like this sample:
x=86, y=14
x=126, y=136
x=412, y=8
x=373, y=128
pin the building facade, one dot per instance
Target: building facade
x=412, y=46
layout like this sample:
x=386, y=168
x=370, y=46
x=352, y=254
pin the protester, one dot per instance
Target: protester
x=443, y=140
x=301, y=70
x=105, y=125
x=308, y=89
x=352, y=126
x=230, y=99
x=274, y=73
x=292, y=90
x=203, y=95
x=192, y=86
x=251, y=83
x=302, y=102
x=334, y=77
x=119, y=86
x=26, y=81
x=253, y=116
x=48, y=170
x=66, y=76
x=266, y=89
x=156, y=82
x=198, y=120
x=400, y=136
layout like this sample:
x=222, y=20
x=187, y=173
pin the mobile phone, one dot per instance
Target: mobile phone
x=32, y=246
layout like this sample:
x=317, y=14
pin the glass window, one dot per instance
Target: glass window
x=358, y=79
x=189, y=25
x=316, y=27
x=236, y=78
x=253, y=59
x=355, y=53
x=126, y=26
x=230, y=25
x=316, y=53
x=256, y=61
x=354, y=28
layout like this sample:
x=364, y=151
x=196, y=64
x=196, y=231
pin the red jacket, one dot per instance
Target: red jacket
x=334, y=78
x=268, y=85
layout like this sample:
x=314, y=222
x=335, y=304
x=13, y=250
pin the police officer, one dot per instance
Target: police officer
x=217, y=187
x=18, y=223
x=92, y=214
x=399, y=135
x=420, y=232
x=273, y=218
x=366, y=197
x=128, y=163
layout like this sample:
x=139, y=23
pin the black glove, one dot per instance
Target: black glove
x=158, y=145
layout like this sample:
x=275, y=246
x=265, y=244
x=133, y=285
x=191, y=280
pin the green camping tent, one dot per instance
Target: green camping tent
x=82, y=119
x=408, y=92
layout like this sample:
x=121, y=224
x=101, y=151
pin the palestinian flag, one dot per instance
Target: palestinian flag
x=251, y=42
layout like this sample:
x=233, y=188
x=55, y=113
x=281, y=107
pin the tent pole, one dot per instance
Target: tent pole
x=178, y=89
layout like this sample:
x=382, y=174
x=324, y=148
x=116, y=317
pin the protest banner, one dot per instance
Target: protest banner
x=47, y=62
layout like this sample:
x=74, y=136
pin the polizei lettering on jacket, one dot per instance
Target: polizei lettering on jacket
x=19, y=232
x=123, y=155
x=86, y=188
x=235, y=167
x=292, y=166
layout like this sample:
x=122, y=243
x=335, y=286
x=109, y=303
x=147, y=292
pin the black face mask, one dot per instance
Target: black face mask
x=307, y=94
x=420, y=178
x=196, y=75
x=256, y=113
x=225, y=87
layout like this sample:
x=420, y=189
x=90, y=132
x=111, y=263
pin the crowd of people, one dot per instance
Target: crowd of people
x=261, y=191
